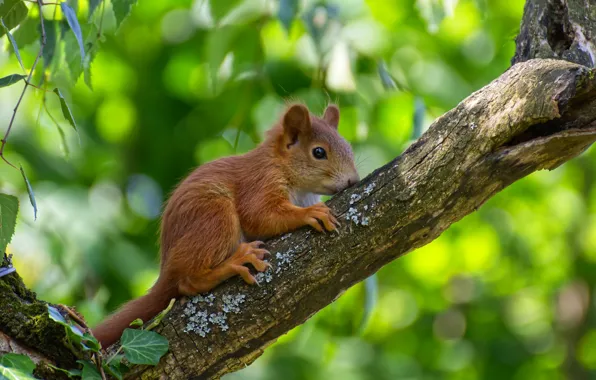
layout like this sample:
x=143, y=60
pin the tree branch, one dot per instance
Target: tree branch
x=537, y=115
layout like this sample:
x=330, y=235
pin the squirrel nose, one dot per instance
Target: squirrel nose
x=354, y=179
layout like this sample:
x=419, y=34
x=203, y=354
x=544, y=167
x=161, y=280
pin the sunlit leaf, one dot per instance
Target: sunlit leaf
x=12, y=12
x=73, y=22
x=17, y=361
x=65, y=109
x=143, y=347
x=9, y=207
x=30, y=192
x=287, y=12
x=7, y=373
x=11, y=79
x=13, y=43
x=122, y=9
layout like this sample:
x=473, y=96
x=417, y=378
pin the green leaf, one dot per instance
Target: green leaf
x=93, y=4
x=7, y=373
x=72, y=55
x=17, y=361
x=12, y=12
x=136, y=323
x=122, y=9
x=90, y=371
x=75, y=335
x=28, y=32
x=287, y=13
x=73, y=23
x=65, y=109
x=11, y=79
x=49, y=49
x=13, y=43
x=69, y=373
x=90, y=343
x=9, y=208
x=30, y=192
x=143, y=347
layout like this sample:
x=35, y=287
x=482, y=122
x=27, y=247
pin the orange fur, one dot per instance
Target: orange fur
x=222, y=205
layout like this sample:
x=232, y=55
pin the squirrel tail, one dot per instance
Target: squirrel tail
x=145, y=307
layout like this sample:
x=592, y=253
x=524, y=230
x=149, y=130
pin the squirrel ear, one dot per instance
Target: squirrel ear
x=296, y=121
x=331, y=115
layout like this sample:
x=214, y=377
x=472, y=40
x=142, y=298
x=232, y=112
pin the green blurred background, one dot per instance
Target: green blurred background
x=505, y=293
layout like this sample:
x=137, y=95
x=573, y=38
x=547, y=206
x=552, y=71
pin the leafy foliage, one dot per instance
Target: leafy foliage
x=16, y=367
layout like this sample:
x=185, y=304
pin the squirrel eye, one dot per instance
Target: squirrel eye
x=319, y=153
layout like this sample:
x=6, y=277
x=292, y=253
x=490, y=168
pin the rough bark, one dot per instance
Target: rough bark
x=561, y=29
x=537, y=115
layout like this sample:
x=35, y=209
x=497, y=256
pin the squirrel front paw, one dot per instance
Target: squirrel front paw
x=320, y=212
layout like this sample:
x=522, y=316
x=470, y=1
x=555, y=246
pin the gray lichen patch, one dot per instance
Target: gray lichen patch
x=356, y=216
x=284, y=259
x=201, y=320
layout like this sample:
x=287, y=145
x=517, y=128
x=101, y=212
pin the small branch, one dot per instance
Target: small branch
x=27, y=84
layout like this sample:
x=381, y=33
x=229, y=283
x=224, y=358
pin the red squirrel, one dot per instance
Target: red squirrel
x=214, y=217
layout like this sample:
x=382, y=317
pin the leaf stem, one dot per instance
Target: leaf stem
x=27, y=84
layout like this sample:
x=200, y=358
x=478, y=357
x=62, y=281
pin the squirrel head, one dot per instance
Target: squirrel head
x=317, y=159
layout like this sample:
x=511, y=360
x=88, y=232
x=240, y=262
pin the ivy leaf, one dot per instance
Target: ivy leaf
x=75, y=335
x=51, y=36
x=73, y=23
x=122, y=9
x=65, y=109
x=30, y=192
x=13, y=43
x=93, y=4
x=90, y=371
x=17, y=361
x=287, y=12
x=11, y=79
x=9, y=207
x=90, y=343
x=7, y=373
x=136, y=323
x=12, y=12
x=143, y=347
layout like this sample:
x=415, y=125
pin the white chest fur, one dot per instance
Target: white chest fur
x=304, y=199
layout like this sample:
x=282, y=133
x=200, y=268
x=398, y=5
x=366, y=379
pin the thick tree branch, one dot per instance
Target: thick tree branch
x=537, y=115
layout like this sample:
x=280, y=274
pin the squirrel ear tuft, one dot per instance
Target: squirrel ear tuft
x=296, y=121
x=331, y=115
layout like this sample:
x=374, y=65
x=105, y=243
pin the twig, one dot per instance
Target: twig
x=27, y=84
